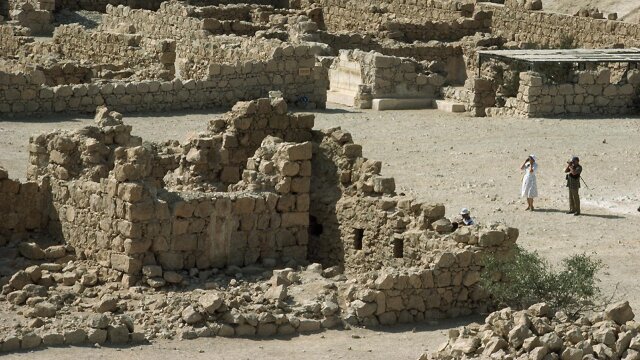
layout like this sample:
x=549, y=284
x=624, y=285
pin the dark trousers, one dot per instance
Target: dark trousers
x=574, y=200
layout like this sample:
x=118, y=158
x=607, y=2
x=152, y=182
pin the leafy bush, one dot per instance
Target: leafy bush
x=525, y=278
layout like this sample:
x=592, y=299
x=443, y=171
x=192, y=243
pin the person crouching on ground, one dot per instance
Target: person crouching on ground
x=573, y=171
x=529, y=184
x=464, y=219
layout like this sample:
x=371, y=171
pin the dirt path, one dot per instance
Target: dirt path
x=457, y=160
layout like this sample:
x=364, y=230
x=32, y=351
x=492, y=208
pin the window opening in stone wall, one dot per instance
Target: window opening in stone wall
x=398, y=248
x=358, y=235
x=315, y=228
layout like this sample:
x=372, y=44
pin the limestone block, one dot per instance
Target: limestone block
x=384, y=185
x=126, y=264
x=296, y=152
x=292, y=219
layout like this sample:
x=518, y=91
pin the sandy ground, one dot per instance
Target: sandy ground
x=458, y=160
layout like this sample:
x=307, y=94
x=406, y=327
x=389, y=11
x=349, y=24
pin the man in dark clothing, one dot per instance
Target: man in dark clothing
x=573, y=170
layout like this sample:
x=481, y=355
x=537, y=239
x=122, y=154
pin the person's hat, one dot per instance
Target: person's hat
x=464, y=211
x=533, y=157
x=575, y=158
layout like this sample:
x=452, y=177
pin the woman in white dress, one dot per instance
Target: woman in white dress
x=529, y=185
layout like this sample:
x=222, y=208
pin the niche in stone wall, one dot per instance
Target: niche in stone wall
x=315, y=228
x=358, y=235
x=398, y=247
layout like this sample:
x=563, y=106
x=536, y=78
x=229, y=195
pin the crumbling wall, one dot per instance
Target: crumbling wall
x=178, y=21
x=104, y=170
x=134, y=51
x=101, y=5
x=586, y=93
x=25, y=93
x=558, y=30
x=33, y=14
x=23, y=206
x=410, y=265
x=447, y=287
x=370, y=16
x=12, y=38
x=454, y=30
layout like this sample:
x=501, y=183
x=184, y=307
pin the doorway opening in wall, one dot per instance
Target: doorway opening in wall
x=358, y=235
x=398, y=248
x=315, y=228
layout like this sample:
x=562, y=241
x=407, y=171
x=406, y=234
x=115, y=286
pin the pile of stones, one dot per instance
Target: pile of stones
x=52, y=298
x=540, y=334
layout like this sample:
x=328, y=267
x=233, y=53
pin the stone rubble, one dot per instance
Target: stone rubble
x=542, y=334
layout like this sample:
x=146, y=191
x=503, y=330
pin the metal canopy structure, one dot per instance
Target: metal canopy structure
x=572, y=56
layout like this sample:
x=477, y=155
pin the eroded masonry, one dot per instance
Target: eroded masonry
x=154, y=56
x=259, y=193
x=262, y=225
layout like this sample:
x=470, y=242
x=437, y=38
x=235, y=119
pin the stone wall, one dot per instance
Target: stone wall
x=438, y=30
x=370, y=16
x=33, y=14
x=553, y=30
x=22, y=206
x=12, y=38
x=365, y=76
x=408, y=263
x=585, y=93
x=26, y=93
x=181, y=22
x=101, y=5
x=149, y=56
x=448, y=287
x=104, y=170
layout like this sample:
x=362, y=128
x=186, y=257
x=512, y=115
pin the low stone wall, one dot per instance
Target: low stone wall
x=26, y=93
x=560, y=30
x=446, y=289
x=366, y=76
x=123, y=50
x=590, y=93
x=371, y=15
x=23, y=206
x=180, y=22
x=101, y=5
x=439, y=30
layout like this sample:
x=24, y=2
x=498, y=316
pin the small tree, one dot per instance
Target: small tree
x=524, y=278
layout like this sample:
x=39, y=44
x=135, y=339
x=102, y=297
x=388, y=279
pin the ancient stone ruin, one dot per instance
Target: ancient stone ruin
x=259, y=192
x=264, y=225
x=140, y=56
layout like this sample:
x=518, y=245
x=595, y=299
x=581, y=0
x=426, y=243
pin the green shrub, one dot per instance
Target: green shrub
x=524, y=278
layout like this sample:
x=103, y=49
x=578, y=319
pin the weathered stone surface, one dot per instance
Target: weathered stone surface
x=619, y=312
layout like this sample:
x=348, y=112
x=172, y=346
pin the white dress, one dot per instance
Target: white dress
x=529, y=185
